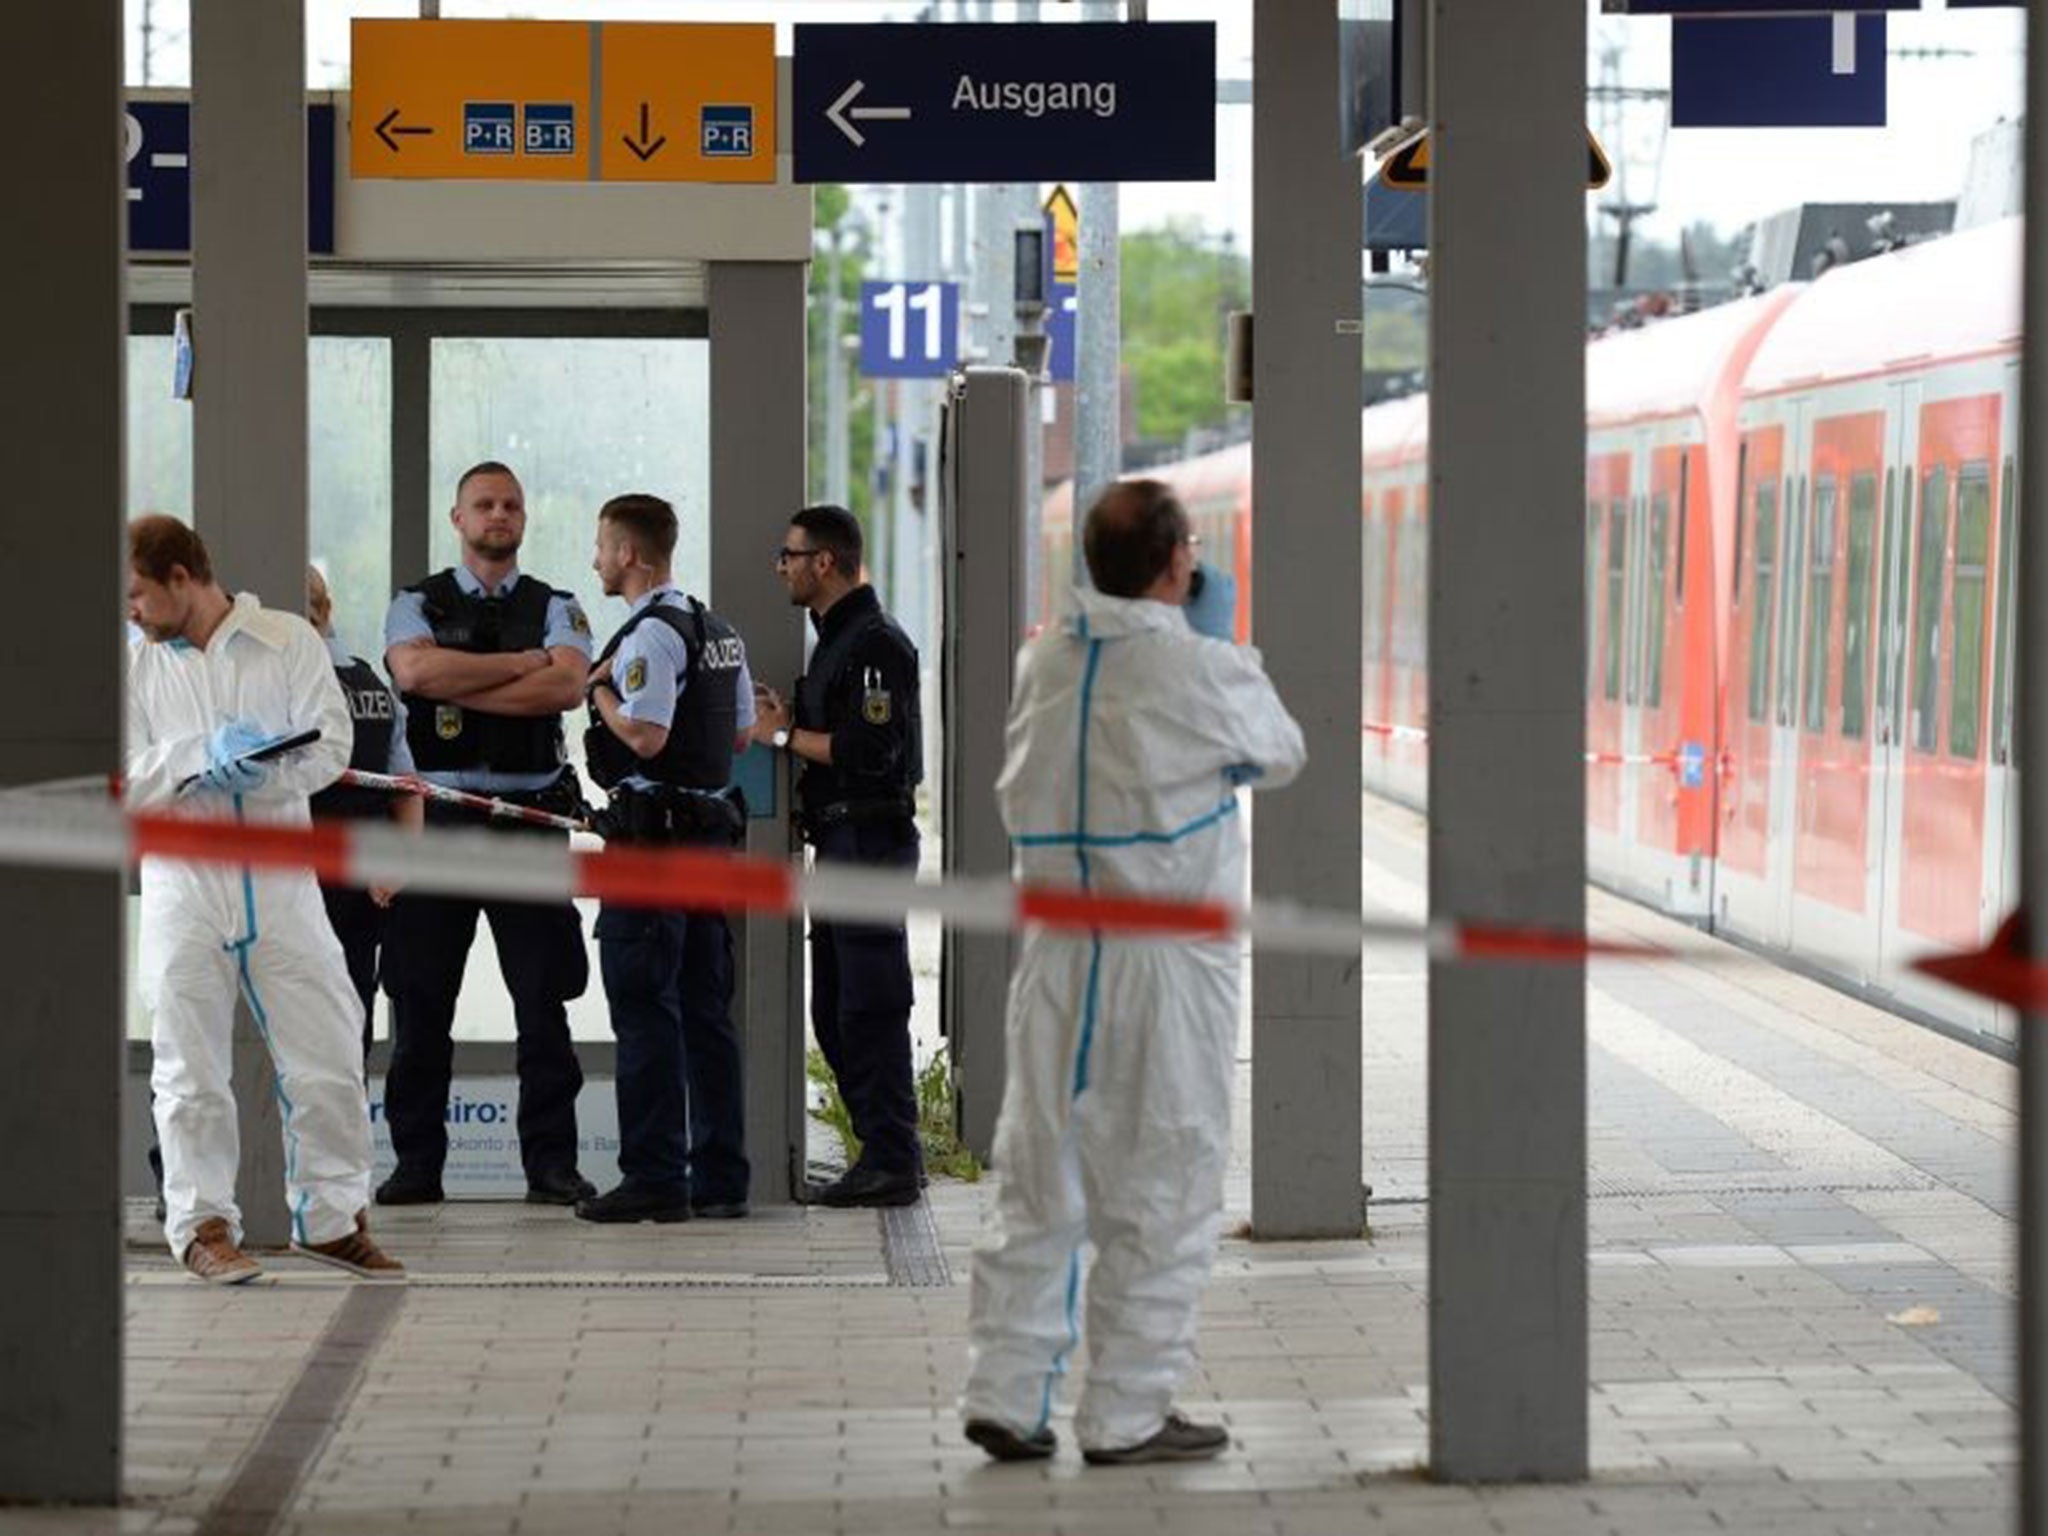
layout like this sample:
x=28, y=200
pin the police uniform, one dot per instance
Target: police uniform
x=539, y=944
x=862, y=691
x=379, y=747
x=668, y=975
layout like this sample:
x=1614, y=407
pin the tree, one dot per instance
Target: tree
x=834, y=220
x=1178, y=287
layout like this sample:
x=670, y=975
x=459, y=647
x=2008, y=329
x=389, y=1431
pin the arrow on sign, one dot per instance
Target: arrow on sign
x=387, y=125
x=842, y=109
x=645, y=149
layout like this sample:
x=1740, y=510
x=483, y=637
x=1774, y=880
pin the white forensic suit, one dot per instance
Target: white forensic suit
x=1128, y=737
x=211, y=931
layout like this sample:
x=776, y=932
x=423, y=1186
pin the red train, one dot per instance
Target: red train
x=1799, y=567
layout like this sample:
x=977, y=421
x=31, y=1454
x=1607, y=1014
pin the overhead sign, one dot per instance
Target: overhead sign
x=1064, y=218
x=563, y=101
x=1778, y=71
x=982, y=102
x=909, y=330
x=157, y=138
x=1407, y=164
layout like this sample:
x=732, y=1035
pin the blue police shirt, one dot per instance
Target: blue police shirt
x=406, y=621
x=654, y=660
x=400, y=756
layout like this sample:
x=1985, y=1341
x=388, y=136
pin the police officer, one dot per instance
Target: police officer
x=857, y=730
x=486, y=660
x=357, y=915
x=670, y=702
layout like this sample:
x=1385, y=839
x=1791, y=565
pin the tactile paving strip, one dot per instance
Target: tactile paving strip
x=910, y=1246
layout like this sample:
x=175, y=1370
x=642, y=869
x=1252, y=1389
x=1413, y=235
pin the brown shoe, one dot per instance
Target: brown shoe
x=213, y=1257
x=355, y=1253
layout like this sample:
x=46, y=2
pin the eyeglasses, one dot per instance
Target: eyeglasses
x=784, y=556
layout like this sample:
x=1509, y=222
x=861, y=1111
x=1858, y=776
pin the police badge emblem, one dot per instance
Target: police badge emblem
x=875, y=706
x=577, y=619
x=447, y=721
x=636, y=674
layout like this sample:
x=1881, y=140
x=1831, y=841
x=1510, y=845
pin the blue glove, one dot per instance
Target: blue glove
x=225, y=773
x=1212, y=603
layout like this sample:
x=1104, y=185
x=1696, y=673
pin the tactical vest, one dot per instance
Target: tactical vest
x=698, y=753
x=823, y=786
x=369, y=706
x=446, y=737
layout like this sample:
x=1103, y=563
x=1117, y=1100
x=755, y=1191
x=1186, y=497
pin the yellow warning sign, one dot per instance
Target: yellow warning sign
x=562, y=101
x=1066, y=235
x=1407, y=164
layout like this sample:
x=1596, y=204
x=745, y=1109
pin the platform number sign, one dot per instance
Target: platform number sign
x=909, y=330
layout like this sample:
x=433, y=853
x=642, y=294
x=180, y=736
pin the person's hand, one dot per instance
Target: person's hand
x=537, y=661
x=234, y=778
x=771, y=712
x=226, y=772
x=383, y=895
x=1212, y=610
x=600, y=676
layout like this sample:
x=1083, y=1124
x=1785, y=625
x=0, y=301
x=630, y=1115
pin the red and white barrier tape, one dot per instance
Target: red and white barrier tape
x=45, y=831
x=501, y=810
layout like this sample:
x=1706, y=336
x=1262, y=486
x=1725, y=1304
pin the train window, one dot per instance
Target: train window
x=1820, y=602
x=1966, y=603
x=1375, y=587
x=1617, y=572
x=1741, y=501
x=1856, y=611
x=1592, y=594
x=1653, y=603
x=1896, y=557
x=1931, y=555
x=1764, y=543
x=1684, y=488
x=1791, y=599
x=2008, y=585
x=1632, y=610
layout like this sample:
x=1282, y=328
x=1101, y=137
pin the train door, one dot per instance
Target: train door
x=1833, y=916
x=1609, y=487
x=1794, y=558
x=1742, y=884
x=1629, y=782
x=1888, y=750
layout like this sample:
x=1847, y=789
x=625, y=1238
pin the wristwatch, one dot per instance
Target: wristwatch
x=780, y=738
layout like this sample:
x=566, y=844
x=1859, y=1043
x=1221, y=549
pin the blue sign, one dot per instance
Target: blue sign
x=1692, y=765
x=1770, y=7
x=159, y=149
x=1060, y=331
x=489, y=128
x=1777, y=72
x=726, y=133
x=909, y=330
x=975, y=102
x=550, y=128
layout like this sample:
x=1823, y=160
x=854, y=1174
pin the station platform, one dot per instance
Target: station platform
x=1802, y=1232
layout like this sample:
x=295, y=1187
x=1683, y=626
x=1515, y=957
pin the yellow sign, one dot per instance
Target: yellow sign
x=1407, y=163
x=1066, y=235
x=562, y=101
x=687, y=102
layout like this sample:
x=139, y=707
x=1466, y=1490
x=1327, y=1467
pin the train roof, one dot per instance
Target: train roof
x=1676, y=366
x=1956, y=297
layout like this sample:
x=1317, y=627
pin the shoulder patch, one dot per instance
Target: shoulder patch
x=636, y=674
x=578, y=620
x=876, y=707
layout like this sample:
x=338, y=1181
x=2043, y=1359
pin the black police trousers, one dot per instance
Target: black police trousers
x=359, y=923
x=540, y=953
x=860, y=1002
x=682, y=1091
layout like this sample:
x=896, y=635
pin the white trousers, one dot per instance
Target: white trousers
x=208, y=936
x=1115, y=1128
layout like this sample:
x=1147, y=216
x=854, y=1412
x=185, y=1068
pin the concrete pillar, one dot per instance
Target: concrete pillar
x=2031, y=686
x=249, y=484
x=1306, y=597
x=1507, y=829
x=757, y=482
x=60, y=933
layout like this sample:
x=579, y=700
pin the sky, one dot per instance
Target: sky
x=1728, y=178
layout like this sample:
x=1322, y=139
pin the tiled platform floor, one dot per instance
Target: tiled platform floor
x=1802, y=1274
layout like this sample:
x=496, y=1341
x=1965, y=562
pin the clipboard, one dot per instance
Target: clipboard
x=277, y=746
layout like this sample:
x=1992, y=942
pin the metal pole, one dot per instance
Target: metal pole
x=61, y=1302
x=1507, y=1043
x=2031, y=700
x=837, y=448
